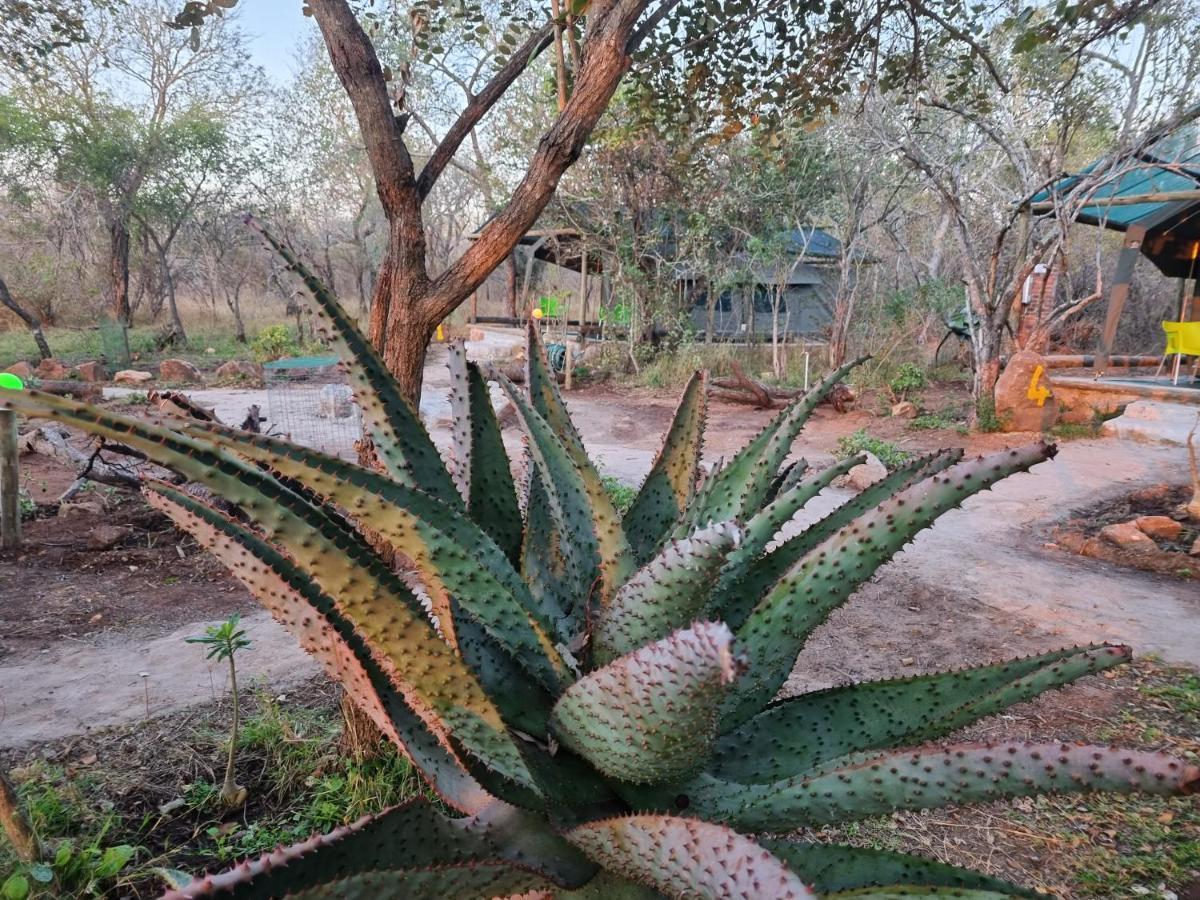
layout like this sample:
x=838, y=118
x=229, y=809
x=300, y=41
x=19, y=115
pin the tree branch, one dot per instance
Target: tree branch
x=353, y=57
x=479, y=106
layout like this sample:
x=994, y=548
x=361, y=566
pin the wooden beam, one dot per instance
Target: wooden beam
x=1045, y=206
x=1131, y=251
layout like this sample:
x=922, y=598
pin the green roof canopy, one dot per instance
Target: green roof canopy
x=1151, y=188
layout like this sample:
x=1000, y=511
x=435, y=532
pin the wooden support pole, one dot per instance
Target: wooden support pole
x=10, y=483
x=1126, y=261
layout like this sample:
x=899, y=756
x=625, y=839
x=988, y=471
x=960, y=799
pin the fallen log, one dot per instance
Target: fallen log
x=87, y=391
x=51, y=442
x=741, y=388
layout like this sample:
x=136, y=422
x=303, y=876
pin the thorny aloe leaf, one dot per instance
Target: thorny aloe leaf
x=803, y=732
x=651, y=715
x=668, y=488
x=775, y=632
x=926, y=779
x=669, y=592
x=741, y=487
x=687, y=858
x=836, y=867
x=484, y=476
x=434, y=680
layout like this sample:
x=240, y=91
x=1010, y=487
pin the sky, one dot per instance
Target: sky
x=274, y=27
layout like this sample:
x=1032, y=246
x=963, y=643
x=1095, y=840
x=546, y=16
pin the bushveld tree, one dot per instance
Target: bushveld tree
x=724, y=64
x=116, y=114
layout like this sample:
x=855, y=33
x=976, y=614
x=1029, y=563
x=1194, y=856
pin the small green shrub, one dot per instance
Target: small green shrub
x=861, y=442
x=621, y=494
x=933, y=421
x=273, y=342
x=907, y=379
x=986, y=419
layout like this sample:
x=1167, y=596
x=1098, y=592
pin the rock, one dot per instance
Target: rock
x=1155, y=493
x=865, y=474
x=1161, y=527
x=905, y=409
x=52, y=370
x=105, y=537
x=132, y=376
x=178, y=370
x=81, y=506
x=91, y=371
x=22, y=370
x=239, y=369
x=1128, y=536
x=336, y=401
x=1015, y=408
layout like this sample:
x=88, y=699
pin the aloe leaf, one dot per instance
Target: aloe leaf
x=400, y=439
x=485, y=479
x=740, y=488
x=650, y=715
x=687, y=858
x=918, y=892
x=669, y=592
x=837, y=867
x=384, y=850
x=776, y=630
x=929, y=778
x=668, y=488
x=807, y=730
x=740, y=597
x=592, y=541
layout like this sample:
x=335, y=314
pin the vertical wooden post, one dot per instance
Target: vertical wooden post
x=1126, y=260
x=568, y=362
x=10, y=482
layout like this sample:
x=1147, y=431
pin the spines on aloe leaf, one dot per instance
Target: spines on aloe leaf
x=919, y=892
x=313, y=617
x=545, y=398
x=807, y=730
x=485, y=477
x=740, y=488
x=731, y=602
x=591, y=538
x=412, y=837
x=651, y=715
x=837, y=867
x=401, y=441
x=434, y=680
x=789, y=476
x=455, y=559
x=933, y=777
x=756, y=578
x=668, y=592
x=776, y=630
x=669, y=486
x=687, y=858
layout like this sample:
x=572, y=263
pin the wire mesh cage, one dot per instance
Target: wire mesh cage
x=310, y=403
x=114, y=342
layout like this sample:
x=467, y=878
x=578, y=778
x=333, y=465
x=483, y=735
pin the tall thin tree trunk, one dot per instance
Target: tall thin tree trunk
x=118, y=269
x=30, y=319
x=178, y=335
x=15, y=825
x=510, y=286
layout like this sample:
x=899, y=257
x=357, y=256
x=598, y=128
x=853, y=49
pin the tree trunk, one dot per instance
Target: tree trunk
x=16, y=826
x=986, y=347
x=179, y=336
x=118, y=269
x=31, y=321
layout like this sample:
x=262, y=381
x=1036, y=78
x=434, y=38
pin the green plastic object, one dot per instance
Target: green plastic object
x=11, y=382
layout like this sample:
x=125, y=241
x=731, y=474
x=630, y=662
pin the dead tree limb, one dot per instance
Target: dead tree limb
x=49, y=441
x=741, y=388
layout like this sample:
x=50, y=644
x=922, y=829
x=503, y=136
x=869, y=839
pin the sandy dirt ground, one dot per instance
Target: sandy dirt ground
x=92, y=639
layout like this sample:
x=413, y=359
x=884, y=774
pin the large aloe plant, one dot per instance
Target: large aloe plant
x=593, y=697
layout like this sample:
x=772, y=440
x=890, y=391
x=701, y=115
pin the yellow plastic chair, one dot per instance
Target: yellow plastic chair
x=1183, y=339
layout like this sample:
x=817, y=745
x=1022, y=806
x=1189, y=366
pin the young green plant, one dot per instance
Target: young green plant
x=223, y=642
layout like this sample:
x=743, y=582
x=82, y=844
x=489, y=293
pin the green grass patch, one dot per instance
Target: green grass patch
x=621, y=494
